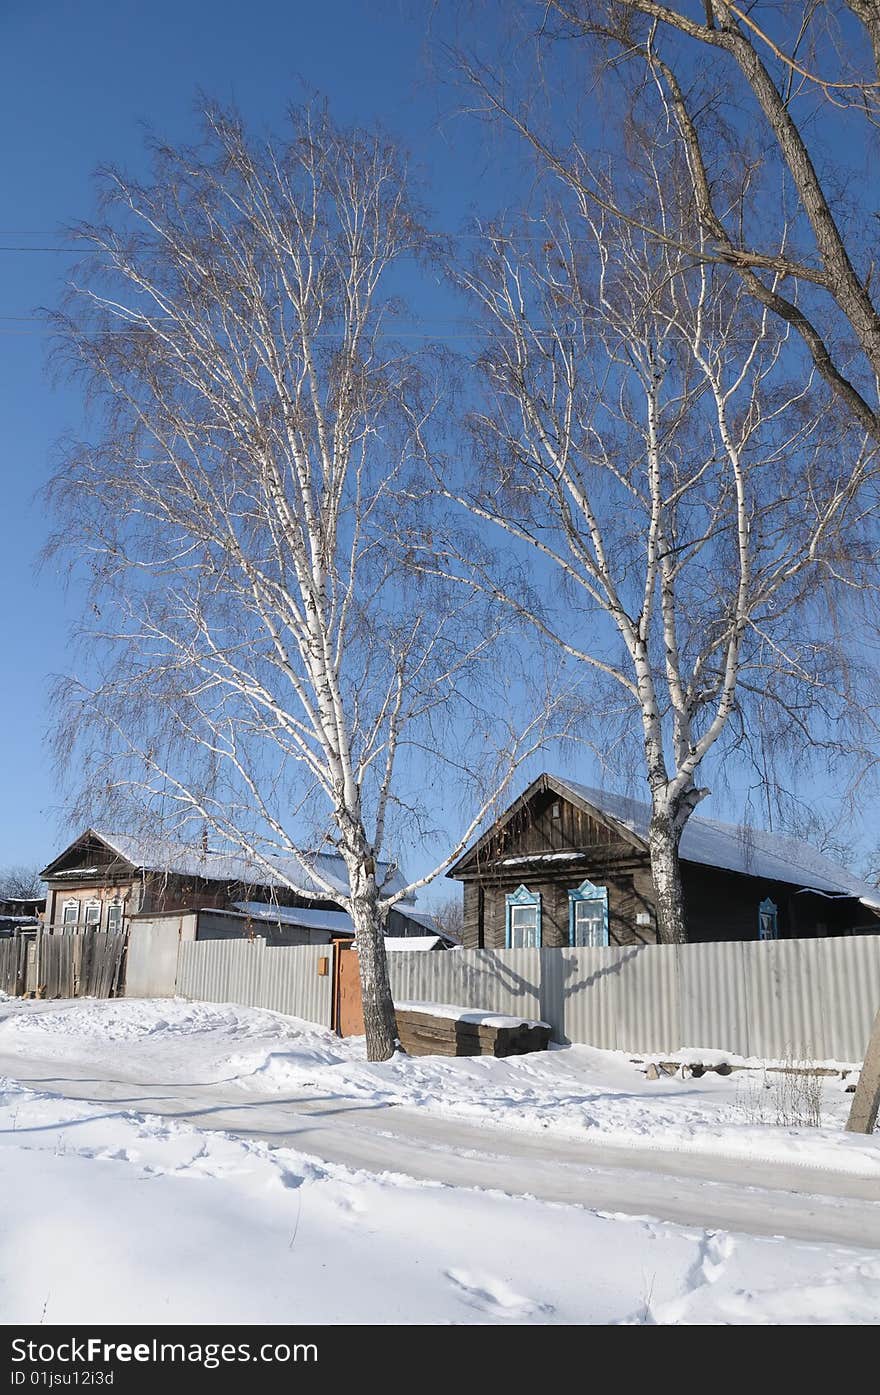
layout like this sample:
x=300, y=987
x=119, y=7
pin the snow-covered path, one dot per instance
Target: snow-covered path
x=760, y=1197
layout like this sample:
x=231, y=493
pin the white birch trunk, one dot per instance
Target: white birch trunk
x=663, y=841
x=380, y=1025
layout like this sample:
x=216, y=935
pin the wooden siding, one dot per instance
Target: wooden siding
x=722, y=905
x=472, y=916
x=626, y=898
x=534, y=829
x=104, y=891
x=159, y=892
x=522, y=854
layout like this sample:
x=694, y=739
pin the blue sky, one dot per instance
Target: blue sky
x=77, y=84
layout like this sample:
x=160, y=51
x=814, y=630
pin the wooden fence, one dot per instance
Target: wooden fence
x=88, y=964
x=13, y=965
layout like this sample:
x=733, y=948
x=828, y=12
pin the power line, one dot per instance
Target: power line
x=440, y=327
x=475, y=335
x=390, y=334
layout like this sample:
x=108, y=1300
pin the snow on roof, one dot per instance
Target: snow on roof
x=540, y=857
x=412, y=941
x=336, y=921
x=190, y=860
x=429, y=923
x=737, y=847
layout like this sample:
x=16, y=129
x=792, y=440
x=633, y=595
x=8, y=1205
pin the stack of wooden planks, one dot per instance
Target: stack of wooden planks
x=429, y=1033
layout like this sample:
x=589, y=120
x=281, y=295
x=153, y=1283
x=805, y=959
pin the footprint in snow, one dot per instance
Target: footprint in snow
x=115, y=1155
x=351, y=1205
x=716, y=1249
x=719, y=1248
x=492, y=1296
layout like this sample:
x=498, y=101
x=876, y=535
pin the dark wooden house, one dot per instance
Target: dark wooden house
x=20, y=913
x=567, y=864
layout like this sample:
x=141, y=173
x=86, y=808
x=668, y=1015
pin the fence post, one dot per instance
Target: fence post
x=866, y=1100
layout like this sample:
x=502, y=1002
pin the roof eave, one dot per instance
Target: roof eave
x=541, y=782
x=49, y=870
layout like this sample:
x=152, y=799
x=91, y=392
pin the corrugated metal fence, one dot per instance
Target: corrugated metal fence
x=803, y=998
x=153, y=943
x=284, y=978
x=813, y=999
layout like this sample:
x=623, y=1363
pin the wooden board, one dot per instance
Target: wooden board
x=13, y=964
x=423, y=1034
x=87, y=964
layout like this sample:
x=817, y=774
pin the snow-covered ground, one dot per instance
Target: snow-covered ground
x=572, y=1092
x=124, y=1215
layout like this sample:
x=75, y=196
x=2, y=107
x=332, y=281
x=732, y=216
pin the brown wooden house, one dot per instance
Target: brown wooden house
x=567, y=864
x=102, y=880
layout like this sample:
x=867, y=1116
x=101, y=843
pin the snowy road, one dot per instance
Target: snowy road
x=759, y=1198
x=258, y=1169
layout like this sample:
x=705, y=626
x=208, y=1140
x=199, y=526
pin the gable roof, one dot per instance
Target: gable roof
x=711, y=843
x=190, y=860
x=540, y=785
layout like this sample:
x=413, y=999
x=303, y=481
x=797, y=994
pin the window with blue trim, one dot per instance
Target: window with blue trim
x=768, y=920
x=588, y=915
x=523, y=919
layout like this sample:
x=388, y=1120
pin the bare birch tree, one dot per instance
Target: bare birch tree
x=21, y=883
x=258, y=660
x=448, y=916
x=792, y=92
x=672, y=479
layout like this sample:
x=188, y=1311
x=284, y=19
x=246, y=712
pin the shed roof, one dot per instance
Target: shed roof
x=338, y=922
x=428, y=922
x=412, y=942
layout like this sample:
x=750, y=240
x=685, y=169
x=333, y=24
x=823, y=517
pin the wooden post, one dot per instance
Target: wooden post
x=866, y=1100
